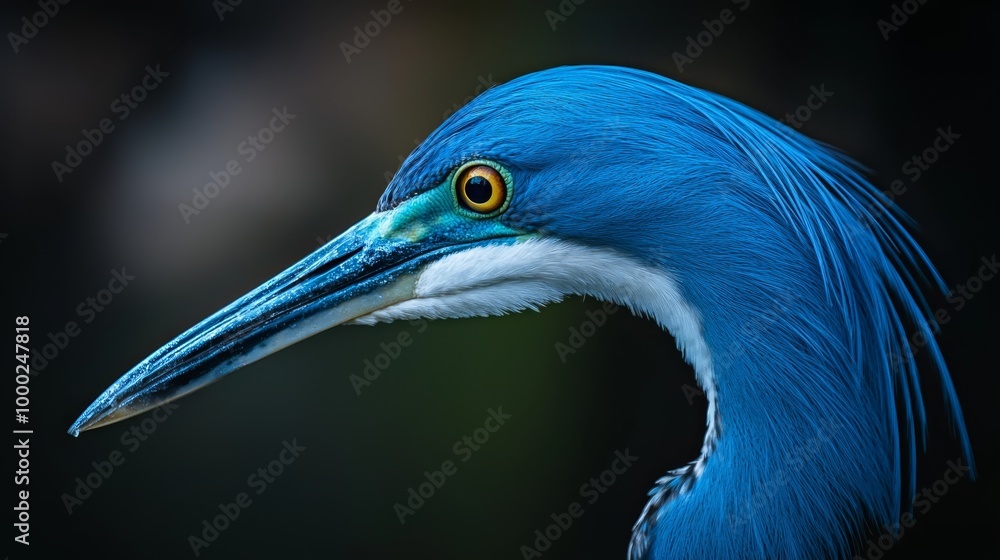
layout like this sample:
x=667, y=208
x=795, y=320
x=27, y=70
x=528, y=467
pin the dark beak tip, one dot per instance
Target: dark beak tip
x=94, y=416
x=80, y=425
x=343, y=280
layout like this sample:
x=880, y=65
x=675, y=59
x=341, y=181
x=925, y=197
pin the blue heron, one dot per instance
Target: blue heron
x=787, y=281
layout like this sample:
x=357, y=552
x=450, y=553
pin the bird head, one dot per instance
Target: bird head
x=553, y=184
x=784, y=278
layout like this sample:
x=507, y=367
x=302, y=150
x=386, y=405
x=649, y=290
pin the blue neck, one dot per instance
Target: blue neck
x=802, y=445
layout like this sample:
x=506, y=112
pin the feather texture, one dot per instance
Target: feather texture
x=806, y=279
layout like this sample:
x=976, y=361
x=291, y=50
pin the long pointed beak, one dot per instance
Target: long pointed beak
x=355, y=274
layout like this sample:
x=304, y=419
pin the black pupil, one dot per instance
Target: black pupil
x=478, y=189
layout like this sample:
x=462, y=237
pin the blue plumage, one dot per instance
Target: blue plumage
x=806, y=279
x=784, y=277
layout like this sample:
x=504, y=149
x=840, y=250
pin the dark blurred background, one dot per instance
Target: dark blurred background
x=624, y=389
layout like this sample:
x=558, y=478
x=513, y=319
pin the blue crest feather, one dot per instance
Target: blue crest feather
x=806, y=278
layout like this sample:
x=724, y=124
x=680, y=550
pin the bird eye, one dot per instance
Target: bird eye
x=481, y=188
